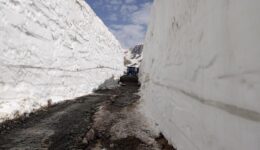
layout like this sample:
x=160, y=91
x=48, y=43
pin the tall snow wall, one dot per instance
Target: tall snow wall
x=201, y=73
x=52, y=50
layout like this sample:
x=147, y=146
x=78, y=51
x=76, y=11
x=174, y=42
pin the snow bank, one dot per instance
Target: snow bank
x=52, y=50
x=201, y=73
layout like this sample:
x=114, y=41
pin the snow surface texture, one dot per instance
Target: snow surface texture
x=133, y=56
x=52, y=50
x=201, y=73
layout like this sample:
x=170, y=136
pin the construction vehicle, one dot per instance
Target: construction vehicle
x=131, y=75
x=132, y=71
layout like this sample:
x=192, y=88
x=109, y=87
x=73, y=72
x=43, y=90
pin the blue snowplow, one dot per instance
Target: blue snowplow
x=131, y=75
x=132, y=71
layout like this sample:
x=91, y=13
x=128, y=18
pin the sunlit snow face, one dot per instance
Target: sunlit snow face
x=127, y=19
x=51, y=51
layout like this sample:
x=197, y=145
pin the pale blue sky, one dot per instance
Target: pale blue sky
x=126, y=19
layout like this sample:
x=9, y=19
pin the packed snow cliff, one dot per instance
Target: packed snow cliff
x=52, y=50
x=201, y=73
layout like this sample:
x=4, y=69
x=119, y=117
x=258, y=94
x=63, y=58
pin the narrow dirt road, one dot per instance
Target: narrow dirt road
x=103, y=120
x=59, y=127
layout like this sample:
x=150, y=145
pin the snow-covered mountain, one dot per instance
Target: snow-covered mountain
x=133, y=56
x=52, y=50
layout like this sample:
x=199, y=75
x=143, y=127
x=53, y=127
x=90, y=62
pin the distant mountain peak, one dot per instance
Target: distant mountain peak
x=133, y=56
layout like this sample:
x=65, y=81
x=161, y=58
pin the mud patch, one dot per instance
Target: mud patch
x=118, y=124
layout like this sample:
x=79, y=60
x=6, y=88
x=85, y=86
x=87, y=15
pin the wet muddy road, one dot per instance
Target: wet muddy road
x=106, y=119
x=58, y=127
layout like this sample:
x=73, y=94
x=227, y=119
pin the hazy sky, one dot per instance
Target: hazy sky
x=126, y=19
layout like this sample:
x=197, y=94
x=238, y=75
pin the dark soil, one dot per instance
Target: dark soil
x=164, y=143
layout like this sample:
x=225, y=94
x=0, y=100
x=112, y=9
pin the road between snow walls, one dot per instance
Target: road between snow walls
x=107, y=119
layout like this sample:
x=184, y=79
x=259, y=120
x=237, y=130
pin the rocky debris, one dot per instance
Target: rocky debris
x=89, y=136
